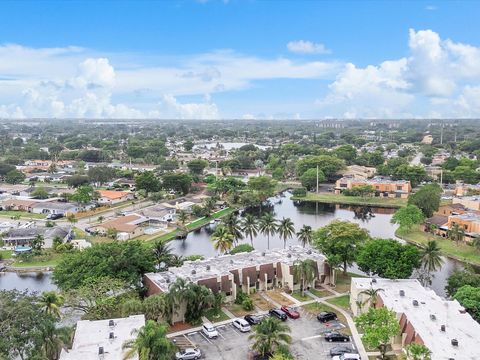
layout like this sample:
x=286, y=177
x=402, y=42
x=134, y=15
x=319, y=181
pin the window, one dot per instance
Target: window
x=399, y=188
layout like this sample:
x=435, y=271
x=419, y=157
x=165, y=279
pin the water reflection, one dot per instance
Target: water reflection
x=36, y=281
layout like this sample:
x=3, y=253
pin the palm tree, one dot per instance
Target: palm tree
x=250, y=226
x=51, y=302
x=305, y=235
x=269, y=335
x=304, y=271
x=372, y=296
x=100, y=219
x=150, y=343
x=233, y=225
x=431, y=257
x=286, y=229
x=163, y=254
x=182, y=217
x=198, y=299
x=333, y=262
x=476, y=243
x=223, y=239
x=72, y=219
x=456, y=233
x=268, y=226
x=416, y=351
x=54, y=339
x=38, y=242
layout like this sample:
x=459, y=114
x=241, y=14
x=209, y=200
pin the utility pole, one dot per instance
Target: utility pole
x=441, y=178
x=317, y=179
x=441, y=135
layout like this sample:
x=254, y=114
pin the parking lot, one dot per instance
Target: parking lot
x=306, y=332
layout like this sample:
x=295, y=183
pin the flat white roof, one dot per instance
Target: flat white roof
x=459, y=324
x=91, y=335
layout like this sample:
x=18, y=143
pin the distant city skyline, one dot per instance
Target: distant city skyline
x=240, y=59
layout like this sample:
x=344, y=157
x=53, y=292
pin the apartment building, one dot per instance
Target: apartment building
x=384, y=187
x=443, y=326
x=228, y=274
x=469, y=222
x=470, y=202
x=360, y=172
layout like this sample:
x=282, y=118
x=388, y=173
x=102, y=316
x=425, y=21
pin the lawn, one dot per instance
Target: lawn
x=260, y=302
x=221, y=316
x=352, y=200
x=298, y=295
x=237, y=310
x=341, y=301
x=343, y=282
x=21, y=214
x=316, y=307
x=276, y=296
x=462, y=251
x=6, y=254
x=49, y=259
x=321, y=292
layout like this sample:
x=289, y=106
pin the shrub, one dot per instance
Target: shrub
x=240, y=297
x=247, y=304
x=300, y=192
x=242, y=248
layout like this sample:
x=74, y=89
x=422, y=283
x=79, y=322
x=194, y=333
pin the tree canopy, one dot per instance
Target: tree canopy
x=427, y=199
x=408, y=216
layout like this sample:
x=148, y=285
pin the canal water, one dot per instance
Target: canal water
x=375, y=220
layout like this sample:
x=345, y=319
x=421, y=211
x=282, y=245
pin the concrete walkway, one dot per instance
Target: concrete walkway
x=351, y=324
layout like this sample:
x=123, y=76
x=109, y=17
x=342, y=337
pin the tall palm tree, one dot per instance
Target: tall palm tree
x=286, y=230
x=305, y=235
x=270, y=334
x=431, y=257
x=268, y=226
x=416, y=351
x=150, y=343
x=198, y=298
x=51, y=302
x=250, y=226
x=304, y=271
x=163, y=254
x=233, y=225
x=333, y=262
x=54, y=339
x=476, y=243
x=456, y=233
x=223, y=239
x=182, y=217
x=372, y=296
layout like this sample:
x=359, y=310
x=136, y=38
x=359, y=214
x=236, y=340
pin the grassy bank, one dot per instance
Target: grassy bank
x=352, y=200
x=21, y=214
x=462, y=251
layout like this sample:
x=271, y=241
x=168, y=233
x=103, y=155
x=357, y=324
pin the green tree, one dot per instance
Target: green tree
x=177, y=182
x=100, y=174
x=182, y=217
x=327, y=164
x=268, y=226
x=342, y=239
x=37, y=243
x=50, y=301
x=77, y=180
x=286, y=230
x=378, y=327
x=427, y=199
x=84, y=194
x=250, y=226
x=269, y=335
x=388, y=258
x=304, y=271
x=197, y=166
x=431, y=257
x=163, y=254
x=40, y=193
x=54, y=339
x=372, y=296
x=346, y=152
x=461, y=278
x=222, y=239
x=309, y=178
x=127, y=261
x=150, y=343
x=263, y=186
x=456, y=233
x=305, y=235
x=416, y=351
x=408, y=216
x=234, y=226
x=148, y=182
x=241, y=249
x=14, y=177
x=469, y=297
x=188, y=145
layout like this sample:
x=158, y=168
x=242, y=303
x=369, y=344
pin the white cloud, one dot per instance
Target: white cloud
x=307, y=47
x=431, y=7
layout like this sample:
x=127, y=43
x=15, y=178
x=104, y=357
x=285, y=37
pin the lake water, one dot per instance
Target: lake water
x=375, y=220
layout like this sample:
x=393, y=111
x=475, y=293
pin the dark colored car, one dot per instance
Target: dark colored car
x=279, y=314
x=325, y=316
x=54, y=216
x=253, y=319
x=336, y=336
x=342, y=349
x=291, y=312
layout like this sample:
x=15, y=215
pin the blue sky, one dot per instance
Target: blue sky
x=239, y=59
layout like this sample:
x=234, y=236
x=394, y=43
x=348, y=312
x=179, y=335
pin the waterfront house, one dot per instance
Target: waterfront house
x=384, y=187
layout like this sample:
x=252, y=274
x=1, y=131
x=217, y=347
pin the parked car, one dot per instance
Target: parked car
x=209, y=331
x=336, y=336
x=242, y=325
x=188, y=354
x=291, y=312
x=279, y=314
x=54, y=216
x=342, y=349
x=347, y=356
x=253, y=319
x=325, y=316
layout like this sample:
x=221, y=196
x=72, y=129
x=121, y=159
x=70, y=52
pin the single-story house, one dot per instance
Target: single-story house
x=159, y=214
x=19, y=205
x=110, y=197
x=127, y=227
x=55, y=207
x=24, y=236
x=179, y=205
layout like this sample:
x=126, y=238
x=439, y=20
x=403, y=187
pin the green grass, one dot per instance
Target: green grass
x=321, y=293
x=343, y=282
x=316, y=307
x=22, y=214
x=210, y=315
x=50, y=259
x=6, y=254
x=352, y=200
x=341, y=301
x=463, y=252
x=298, y=295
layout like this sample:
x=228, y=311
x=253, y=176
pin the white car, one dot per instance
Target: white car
x=209, y=331
x=242, y=325
x=347, y=356
x=188, y=354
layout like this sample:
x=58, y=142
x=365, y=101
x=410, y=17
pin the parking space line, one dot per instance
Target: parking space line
x=311, y=337
x=206, y=338
x=236, y=331
x=220, y=334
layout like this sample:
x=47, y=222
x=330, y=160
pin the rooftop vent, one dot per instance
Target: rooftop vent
x=111, y=323
x=309, y=251
x=374, y=280
x=402, y=293
x=263, y=253
x=442, y=328
x=289, y=255
x=433, y=317
x=415, y=302
x=208, y=267
x=231, y=261
x=100, y=350
x=111, y=336
x=454, y=342
x=193, y=272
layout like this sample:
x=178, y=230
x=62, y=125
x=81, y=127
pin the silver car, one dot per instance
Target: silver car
x=188, y=354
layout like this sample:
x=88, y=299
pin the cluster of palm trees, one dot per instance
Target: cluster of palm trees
x=232, y=229
x=270, y=336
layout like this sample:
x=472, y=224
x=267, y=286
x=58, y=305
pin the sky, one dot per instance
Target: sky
x=239, y=59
